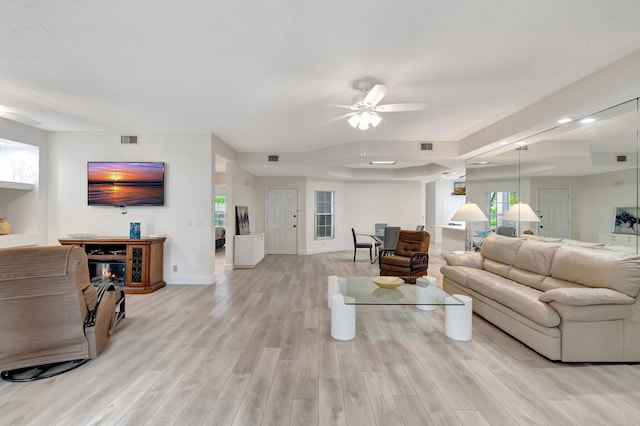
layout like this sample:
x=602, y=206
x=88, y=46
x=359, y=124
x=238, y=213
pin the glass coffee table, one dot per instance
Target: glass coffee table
x=345, y=293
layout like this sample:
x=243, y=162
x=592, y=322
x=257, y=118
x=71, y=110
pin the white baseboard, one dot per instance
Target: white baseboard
x=190, y=280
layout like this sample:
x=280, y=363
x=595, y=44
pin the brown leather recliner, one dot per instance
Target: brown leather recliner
x=411, y=257
x=50, y=313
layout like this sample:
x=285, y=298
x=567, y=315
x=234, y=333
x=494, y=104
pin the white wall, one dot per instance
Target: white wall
x=186, y=219
x=368, y=203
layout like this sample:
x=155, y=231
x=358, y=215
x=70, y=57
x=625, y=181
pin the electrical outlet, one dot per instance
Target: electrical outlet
x=175, y=268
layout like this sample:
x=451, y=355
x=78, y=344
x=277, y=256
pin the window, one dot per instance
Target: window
x=499, y=203
x=324, y=215
x=220, y=211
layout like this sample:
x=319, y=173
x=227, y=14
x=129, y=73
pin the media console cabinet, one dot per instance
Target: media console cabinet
x=135, y=264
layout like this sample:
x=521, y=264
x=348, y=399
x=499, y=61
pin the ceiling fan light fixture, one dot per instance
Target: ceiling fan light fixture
x=375, y=119
x=354, y=120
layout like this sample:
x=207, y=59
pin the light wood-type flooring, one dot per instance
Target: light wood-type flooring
x=255, y=349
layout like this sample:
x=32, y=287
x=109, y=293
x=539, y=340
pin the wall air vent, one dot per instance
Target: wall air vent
x=426, y=146
x=621, y=158
x=274, y=158
x=129, y=140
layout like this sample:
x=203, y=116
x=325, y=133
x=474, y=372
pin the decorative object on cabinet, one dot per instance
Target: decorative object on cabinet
x=134, y=230
x=5, y=226
x=135, y=264
x=626, y=221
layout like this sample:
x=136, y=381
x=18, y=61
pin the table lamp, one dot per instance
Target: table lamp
x=521, y=212
x=469, y=212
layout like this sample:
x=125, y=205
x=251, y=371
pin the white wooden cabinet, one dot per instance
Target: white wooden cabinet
x=248, y=250
x=618, y=239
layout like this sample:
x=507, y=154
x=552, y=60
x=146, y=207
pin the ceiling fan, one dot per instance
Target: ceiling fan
x=365, y=108
x=20, y=115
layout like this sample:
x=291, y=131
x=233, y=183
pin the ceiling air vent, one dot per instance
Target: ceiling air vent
x=621, y=158
x=274, y=158
x=426, y=146
x=129, y=140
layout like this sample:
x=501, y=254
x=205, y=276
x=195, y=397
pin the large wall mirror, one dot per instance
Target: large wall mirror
x=580, y=178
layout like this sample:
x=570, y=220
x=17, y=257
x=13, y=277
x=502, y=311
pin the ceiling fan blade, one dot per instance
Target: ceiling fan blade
x=376, y=94
x=19, y=118
x=342, y=117
x=343, y=106
x=402, y=107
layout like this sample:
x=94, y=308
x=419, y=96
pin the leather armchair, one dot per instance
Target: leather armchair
x=411, y=256
x=50, y=313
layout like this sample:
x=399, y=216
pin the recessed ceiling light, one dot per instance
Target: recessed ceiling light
x=385, y=163
x=564, y=120
x=587, y=120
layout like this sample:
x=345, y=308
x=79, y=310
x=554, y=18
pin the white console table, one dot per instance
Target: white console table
x=626, y=240
x=248, y=250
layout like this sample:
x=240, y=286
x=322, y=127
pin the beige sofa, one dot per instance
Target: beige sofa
x=567, y=301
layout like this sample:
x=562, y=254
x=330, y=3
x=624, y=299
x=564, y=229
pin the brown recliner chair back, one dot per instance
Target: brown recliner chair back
x=411, y=256
x=410, y=242
x=45, y=296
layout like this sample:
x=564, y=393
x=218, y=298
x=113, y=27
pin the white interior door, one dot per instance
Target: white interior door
x=554, y=206
x=282, y=221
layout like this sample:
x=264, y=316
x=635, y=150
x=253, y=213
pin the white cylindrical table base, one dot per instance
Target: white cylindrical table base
x=343, y=318
x=457, y=322
x=333, y=287
x=425, y=300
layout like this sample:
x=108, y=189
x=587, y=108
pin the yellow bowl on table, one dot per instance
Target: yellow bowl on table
x=388, y=282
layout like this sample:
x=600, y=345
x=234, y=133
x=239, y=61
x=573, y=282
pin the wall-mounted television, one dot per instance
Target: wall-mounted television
x=125, y=183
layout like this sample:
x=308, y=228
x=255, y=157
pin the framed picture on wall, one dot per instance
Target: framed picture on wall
x=242, y=220
x=459, y=188
x=626, y=220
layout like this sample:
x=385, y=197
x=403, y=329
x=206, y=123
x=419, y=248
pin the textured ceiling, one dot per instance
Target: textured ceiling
x=261, y=75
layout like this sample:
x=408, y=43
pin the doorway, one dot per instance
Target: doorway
x=554, y=206
x=282, y=221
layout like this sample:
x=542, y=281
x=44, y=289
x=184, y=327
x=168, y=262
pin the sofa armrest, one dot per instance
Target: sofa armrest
x=586, y=296
x=472, y=260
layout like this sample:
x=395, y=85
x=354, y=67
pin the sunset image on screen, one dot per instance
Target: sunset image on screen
x=119, y=184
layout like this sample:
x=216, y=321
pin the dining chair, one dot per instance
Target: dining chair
x=391, y=234
x=507, y=231
x=357, y=245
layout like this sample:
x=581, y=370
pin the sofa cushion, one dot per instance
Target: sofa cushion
x=501, y=249
x=586, y=296
x=549, y=283
x=520, y=298
x=594, y=267
x=536, y=256
x=460, y=274
x=473, y=260
x=530, y=279
x=497, y=268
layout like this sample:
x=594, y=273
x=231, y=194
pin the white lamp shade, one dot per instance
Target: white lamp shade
x=375, y=119
x=354, y=120
x=521, y=212
x=469, y=212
